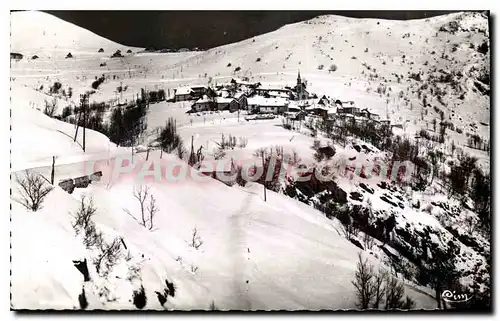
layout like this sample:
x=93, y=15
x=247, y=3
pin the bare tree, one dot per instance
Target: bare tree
x=84, y=214
x=33, y=190
x=394, y=293
x=349, y=229
x=83, y=224
x=152, y=210
x=379, y=287
x=148, y=208
x=364, y=283
x=141, y=194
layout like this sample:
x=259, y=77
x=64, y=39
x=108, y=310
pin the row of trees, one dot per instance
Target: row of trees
x=467, y=179
x=127, y=125
x=156, y=96
x=475, y=141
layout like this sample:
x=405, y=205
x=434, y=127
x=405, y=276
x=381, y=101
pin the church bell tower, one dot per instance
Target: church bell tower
x=299, y=87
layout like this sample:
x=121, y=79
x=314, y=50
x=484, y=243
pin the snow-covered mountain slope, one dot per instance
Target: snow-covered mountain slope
x=35, y=32
x=278, y=254
x=35, y=137
x=292, y=256
x=412, y=72
x=368, y=54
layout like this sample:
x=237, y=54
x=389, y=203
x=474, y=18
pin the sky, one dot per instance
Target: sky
x=202, y=29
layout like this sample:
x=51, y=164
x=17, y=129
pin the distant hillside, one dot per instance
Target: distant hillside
x=34, y=32
x=188, y=29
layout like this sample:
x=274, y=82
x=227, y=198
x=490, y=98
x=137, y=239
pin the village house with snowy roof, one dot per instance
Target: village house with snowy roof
x=183, y=94
x=191, y=92
x=263, y=105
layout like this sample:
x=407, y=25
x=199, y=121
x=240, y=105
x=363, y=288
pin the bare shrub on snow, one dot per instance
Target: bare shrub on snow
x=193, y=268
x=109, y=255
x=147, y=204
x=84, y=224
x=33, y=190
x=50, y=108
x=196, y=242
x=84, y=215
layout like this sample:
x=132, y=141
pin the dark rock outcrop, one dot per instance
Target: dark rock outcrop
x=82, y=267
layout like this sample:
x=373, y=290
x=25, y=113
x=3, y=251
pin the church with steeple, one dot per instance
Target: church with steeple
x=300, y=89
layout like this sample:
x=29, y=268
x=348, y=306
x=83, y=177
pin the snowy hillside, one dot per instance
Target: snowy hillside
x=368, y=54
x=409, y=71
x=34, y=32
x=278, y=254
x=213, y=246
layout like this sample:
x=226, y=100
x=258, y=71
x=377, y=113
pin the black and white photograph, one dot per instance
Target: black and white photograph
x=250, y=160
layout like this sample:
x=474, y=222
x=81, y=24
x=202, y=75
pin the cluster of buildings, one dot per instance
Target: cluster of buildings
x=242, y=95
x=293, y=102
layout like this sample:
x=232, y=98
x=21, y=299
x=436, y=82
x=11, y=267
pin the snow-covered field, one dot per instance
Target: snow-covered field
x=256, y=254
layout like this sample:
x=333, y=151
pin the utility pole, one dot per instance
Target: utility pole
x=83, y=107
x=84, y=125
x=77, y=126
x=53, y=170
